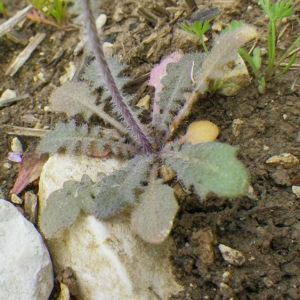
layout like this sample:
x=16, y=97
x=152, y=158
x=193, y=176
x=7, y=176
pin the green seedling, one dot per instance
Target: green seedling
x=218, y=85
x=54, y=12
x=197, y=29
x=233, y=26
x=2, y=8
x=275, y=12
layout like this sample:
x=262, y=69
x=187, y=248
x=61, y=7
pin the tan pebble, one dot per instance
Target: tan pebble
x=118, y=15
x=237, y=127
x=108, y=49
x=205, y=250
x=15, y=199
x=144, y=102
x=166, y=173
x=217, y=26
x=283, y=161
x=232, y=256
x=30, y=206
x=64, y=292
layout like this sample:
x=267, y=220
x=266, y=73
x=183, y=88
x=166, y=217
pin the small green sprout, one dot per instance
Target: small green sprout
x=233, y=26
x=197, y=29
x=219, y=85
x=52, y=10
x=2, y=8
x=275, y=12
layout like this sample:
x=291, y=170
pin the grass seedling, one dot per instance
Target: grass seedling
x=197, y=29
x=51, y=12
x=275, y=12
x=2, y=8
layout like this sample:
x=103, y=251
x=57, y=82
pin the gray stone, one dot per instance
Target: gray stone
x=25, y=265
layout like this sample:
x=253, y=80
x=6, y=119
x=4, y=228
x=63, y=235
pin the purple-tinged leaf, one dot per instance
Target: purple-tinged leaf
x=157, y=73
x=30, y=170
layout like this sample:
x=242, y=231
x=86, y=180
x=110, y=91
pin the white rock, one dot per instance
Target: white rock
x=234, y=257
x=8, y=94
x=236, y=77
x=109, y=261
x=25, y=265
x=296, y=190
x=100, y=22
x=108, y=49
x=16, y=146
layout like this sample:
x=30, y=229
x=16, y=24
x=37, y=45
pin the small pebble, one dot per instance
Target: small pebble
x=144, y=102
x=281, y=177
x=232, y=256
x=30, y=206
x=283, y=161
x=8, y=94
x=237, y=127
x=108, y=49
x=16, y=146
x=296, y=190
x=7, y=166
x=41, y=77
x=47, y=109
x=100, y=22
x=16, y=200
x=118, y=15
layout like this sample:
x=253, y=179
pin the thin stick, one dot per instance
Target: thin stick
x=23, y=131
x=25, y=54
x=9, y=24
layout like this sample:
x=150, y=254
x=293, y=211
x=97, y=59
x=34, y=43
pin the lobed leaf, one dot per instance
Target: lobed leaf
x=93, y=76
x=209, y=167
x=71, y=138
x=118, y=189
x=176, y=84
x=64, y=205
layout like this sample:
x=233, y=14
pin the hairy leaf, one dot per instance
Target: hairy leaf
x=74, y=98
x=118, y=189
x=210, y=167
x=176, y=84
x=64, y=205
x=94, y=77
x=71, y=138
x=153, y=218
x=223, y=52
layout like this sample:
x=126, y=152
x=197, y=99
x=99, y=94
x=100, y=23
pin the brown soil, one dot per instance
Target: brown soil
x=263, y=226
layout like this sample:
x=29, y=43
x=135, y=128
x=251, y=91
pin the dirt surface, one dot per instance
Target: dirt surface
x=264, y=226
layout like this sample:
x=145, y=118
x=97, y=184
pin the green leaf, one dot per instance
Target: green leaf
x=153, y=218
x=71, y=138
x=197, y=29
x=64, y=205
x=118, y=189
x=257, y=57
x=176, y=84
x=209, y=167
x=233, y=26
